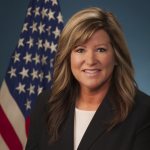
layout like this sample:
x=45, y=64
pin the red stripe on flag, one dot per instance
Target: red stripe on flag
x=27, y=125
x=8, y=132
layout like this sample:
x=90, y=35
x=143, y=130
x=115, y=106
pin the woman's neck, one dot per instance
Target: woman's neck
x=90, y=100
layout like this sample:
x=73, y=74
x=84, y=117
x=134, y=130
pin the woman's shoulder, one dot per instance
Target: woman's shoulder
x=142, y=99
x=42, y=101
x=141, y=111
x=44, y=96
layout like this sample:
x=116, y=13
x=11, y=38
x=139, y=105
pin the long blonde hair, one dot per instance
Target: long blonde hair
x=65, y=88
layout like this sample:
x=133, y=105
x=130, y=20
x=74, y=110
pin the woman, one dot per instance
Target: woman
x=94, y=102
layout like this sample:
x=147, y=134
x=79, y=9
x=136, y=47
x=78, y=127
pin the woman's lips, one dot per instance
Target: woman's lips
x=91, y=72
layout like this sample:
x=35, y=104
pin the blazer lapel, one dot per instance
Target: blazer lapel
x=97, y=126
x=68, y=133
x=66, y=140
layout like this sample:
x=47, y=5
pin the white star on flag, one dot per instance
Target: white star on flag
x=16, y=57
x=46, y=45
x=27, y=57
x=31, y=89
x=46, y=1
x=48, y=77
x=41, y=28
x=48, y=30
x=50, y=14
x=44, y=58
x=24, y=73
x=34, y=74
x=37, y=11
x=29, y=11
x=53, y=47
x=12, y=72
x=59, y=17
x=44, y=12
x=54, y=2
x=30, y=42
x=25, y=27
x=36, y=59
x=33, y=27
x=41, y=76
x=51, y=62
x=28, y=104
x=20, y=42
x=56, y=32
x=39, y=43
x=21, y=88
x=40, y=89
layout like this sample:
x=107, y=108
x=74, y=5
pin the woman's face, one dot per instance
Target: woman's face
x=92, y=63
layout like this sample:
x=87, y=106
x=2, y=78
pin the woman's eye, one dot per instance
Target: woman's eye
x=79, y=50
x=101, y=49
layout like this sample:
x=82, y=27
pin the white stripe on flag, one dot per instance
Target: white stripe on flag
x=3, y=145
x=13, y=113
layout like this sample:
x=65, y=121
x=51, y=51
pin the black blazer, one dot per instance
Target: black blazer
x=132, y=134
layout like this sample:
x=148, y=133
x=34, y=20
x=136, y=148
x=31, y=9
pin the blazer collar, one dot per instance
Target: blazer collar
x=96, y=128
x=98, y=124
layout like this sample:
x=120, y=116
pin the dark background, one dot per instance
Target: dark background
x=132, y=14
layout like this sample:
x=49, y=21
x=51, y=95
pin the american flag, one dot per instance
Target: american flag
x=29, y=71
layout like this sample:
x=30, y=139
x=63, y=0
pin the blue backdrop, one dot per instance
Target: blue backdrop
x=132, y=14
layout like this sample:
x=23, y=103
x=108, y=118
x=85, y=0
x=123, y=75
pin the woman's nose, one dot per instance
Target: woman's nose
x=91, y=58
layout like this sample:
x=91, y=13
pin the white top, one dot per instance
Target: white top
x=82, y=119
